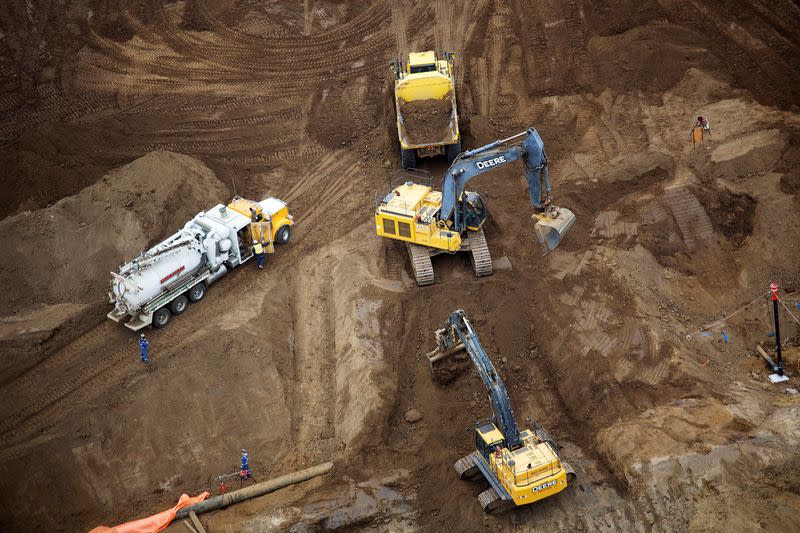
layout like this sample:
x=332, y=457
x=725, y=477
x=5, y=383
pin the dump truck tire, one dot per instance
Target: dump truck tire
x=452, y=151
x=283, y=234
x=408, y=158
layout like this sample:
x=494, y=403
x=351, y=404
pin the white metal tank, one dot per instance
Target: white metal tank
x=148, y=275
x=204, y=242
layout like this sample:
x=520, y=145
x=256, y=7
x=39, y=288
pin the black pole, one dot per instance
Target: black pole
x=774, y=288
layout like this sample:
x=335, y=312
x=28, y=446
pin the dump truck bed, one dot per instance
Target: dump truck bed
x=426, y=110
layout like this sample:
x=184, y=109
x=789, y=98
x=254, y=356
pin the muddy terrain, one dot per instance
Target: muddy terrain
x=120, y=119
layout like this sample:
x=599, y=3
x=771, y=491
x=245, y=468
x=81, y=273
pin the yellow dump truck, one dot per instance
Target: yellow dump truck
x=425, y=101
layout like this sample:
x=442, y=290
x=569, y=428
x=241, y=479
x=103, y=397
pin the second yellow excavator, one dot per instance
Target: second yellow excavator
x=521, y=467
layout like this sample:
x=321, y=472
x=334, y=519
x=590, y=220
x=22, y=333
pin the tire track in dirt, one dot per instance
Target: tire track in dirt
x=368, y=21
x=576, y=29
x=313, y=349
x=54, y=109
x=692, y=220
x=201, y=61
x=400, y=27
x=335, y=190
x=281, y=115
x=320, y=171
x=276, y=156
x=223, y=146
x=72, y=367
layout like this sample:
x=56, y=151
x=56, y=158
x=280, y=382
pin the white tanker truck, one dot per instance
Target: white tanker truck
x=163, y=280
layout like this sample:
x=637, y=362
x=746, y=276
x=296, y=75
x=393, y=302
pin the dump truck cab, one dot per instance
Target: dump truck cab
x=420, y=62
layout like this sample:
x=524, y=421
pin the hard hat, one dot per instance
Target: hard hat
x=141, y=336
x=244, y=451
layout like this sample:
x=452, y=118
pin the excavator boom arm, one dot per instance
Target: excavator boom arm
x=461, y=329
x=486, y=158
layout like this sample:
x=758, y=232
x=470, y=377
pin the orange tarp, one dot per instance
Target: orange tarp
x=154, y=523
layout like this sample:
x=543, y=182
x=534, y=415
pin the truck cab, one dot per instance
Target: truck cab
x=419, y=62
x=272, y=212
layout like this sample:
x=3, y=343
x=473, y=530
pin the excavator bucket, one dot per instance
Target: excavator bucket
x=444, y=368
x=551, y=227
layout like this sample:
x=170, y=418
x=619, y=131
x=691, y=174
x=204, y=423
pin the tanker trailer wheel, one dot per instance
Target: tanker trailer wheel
x=179, y=304
x=283, y=234
x=197, y=292
x=161, y=318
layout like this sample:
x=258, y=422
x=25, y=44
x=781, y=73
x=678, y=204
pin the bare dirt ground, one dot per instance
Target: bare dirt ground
x=318, y=357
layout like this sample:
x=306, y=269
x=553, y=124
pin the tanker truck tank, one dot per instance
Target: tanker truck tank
x=146, y=276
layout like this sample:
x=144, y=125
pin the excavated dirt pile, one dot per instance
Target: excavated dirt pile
x=623, y=342
x=427, y=121
x=57, y=259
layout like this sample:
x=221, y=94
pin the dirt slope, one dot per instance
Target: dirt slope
x=318, y=358
x=57, y=261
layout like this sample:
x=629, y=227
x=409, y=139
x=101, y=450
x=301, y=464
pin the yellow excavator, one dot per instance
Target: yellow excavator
x=451, y=220
x=521, y=467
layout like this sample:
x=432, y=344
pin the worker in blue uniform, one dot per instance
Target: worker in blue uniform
x=244, y=472
x=144, y=349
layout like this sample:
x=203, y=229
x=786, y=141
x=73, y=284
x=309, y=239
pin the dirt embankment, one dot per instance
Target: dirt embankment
x=57, y=259
x=294, y=363
x=427, y=121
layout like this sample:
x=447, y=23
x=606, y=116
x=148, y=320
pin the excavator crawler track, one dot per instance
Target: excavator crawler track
x=420, y=263
x=479, y=250
x=492, y=503
x=467, y=469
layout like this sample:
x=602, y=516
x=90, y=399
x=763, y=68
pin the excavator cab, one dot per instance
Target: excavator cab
x=475, y=211
x=488, y=439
